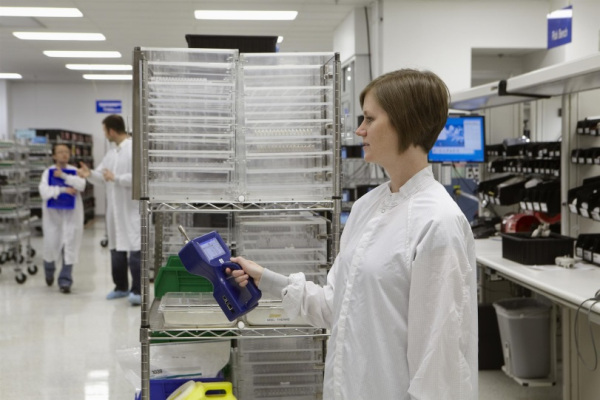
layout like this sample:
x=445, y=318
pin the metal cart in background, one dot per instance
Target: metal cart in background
x=15, y=212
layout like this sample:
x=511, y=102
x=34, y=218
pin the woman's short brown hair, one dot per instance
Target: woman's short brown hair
x=416, y=103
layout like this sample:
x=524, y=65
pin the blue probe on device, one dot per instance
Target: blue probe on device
x=208, y=256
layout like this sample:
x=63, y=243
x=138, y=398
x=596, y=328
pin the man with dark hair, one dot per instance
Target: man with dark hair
x=122, y=213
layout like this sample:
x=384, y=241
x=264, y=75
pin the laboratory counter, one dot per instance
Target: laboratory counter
x=565, y=286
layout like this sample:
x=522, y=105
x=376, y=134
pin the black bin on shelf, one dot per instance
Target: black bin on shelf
x=524, y=249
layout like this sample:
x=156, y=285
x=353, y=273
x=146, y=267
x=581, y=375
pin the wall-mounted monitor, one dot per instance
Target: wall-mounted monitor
x=461, y=140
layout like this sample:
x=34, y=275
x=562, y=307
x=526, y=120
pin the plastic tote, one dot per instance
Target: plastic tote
x=525, y=335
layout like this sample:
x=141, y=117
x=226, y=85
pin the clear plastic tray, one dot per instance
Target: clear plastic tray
x=283, y=344
x=270, y=312
x=280, y=368
x=192, y=310
x=308, y=392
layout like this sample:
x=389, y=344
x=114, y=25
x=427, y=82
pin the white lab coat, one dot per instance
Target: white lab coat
x=400, y=299
x=62, y=228
x=122, y=212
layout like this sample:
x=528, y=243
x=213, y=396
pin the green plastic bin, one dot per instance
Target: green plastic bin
x=173, y=277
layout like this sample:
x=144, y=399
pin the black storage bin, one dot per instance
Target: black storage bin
x=524, y=249
x=490, y=347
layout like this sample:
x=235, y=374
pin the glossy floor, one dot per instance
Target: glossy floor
x=56, y=346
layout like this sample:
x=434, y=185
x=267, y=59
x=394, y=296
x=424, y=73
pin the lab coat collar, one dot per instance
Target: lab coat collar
x=413, y=185
x=121, y=145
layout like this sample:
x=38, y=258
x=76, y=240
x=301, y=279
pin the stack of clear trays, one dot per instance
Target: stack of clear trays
x=280, y=368
x=195, y=224
x=288, y=114
x=190, y=108
x=285, y=243
x=185, y=309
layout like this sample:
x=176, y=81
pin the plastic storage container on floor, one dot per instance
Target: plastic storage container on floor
x=525, y=335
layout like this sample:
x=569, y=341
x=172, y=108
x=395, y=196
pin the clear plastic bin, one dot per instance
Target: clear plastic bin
x=192, y=310
x=271, y=312
x=525, y=335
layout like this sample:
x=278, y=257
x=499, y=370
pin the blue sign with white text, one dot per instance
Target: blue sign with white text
x=559, y=27
x=108, y=106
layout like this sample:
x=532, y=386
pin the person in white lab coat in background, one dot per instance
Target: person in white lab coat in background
x=401, y=298
x=62, y=219
x=122, y=212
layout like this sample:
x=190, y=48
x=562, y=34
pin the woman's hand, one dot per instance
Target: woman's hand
x=249, y=269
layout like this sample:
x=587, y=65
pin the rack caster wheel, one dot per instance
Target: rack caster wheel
x=31, y=252
x=32, y=269
x=3, y=258
x=104, y=242
x=20, y=258
x=21, y=278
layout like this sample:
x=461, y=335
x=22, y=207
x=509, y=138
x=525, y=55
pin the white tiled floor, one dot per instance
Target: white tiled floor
x=55, y=346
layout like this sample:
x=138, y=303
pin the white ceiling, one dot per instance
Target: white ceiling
x=156, y=23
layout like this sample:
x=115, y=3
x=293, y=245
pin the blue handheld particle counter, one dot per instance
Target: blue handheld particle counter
x=208, y=256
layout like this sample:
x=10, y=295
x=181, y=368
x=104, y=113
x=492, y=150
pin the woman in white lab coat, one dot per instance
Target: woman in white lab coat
x=123, y=221
x=62, y=216
x=400, y=299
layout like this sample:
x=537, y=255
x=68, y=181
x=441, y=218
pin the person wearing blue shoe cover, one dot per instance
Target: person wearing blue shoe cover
x=62, y=216
x=123, y=221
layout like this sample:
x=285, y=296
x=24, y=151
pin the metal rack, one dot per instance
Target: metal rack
x=15, y=213
x=218, y=132
x=40, y=157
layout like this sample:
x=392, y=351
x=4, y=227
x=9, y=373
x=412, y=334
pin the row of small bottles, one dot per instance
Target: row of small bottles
x=536, y=166
x=589, y=126
x=585, y=199
x=524, y=149
x=586, y=156
x=587, y=247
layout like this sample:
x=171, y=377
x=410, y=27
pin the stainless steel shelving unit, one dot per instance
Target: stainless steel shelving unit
x=15, y=212
x=218, y=132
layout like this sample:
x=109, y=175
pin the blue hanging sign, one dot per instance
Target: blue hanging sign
x=108, y=106
x=559, y=27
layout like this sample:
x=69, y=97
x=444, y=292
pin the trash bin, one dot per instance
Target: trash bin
x=525, y=335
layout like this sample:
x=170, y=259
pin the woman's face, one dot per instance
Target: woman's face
x=380, y=140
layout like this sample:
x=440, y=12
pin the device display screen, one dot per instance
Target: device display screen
x=212, y=249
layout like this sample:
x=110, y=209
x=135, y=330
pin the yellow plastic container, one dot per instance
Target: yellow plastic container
x=198, y=391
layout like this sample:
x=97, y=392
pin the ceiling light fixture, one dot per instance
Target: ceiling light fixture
x=58, y=36
x=246, y=15
x=99, y=67
x=108, y=77
x=83, y=54
x=7, y=75
x=39, y=12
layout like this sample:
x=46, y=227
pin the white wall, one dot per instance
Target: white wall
x=439, y=35
x=68, y=106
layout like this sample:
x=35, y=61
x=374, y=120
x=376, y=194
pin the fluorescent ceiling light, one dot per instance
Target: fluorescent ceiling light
x=279, y=39
x=6, y=75
x=246, y=15
x=83, y=54
x=99, y=67
x=108, y=77
x=39, y=12
x=58, y=36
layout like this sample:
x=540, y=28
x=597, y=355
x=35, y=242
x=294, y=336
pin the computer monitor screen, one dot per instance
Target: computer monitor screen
x=461, y=140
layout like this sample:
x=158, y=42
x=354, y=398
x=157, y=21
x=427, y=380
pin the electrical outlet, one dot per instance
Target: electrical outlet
x=472, y=172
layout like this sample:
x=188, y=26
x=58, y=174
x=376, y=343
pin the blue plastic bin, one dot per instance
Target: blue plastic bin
x=160, y=389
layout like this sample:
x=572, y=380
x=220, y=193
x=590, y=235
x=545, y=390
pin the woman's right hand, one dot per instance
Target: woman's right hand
x=250, y=269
